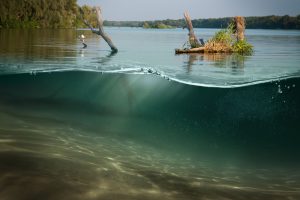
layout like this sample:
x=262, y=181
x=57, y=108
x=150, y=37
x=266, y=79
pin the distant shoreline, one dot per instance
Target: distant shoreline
x=264, y=22
x=68, y=14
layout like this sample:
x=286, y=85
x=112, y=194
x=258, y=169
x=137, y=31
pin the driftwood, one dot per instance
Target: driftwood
x=193, y=50
x=100, y=30
x=196, y=46
x=239, y=27
x=194, y=42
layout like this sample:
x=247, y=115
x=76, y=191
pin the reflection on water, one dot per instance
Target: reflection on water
x=234, y=61
x=105, y=59
x=37, y=44
x=81, y=52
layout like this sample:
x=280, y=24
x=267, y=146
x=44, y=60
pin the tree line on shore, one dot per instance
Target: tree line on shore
x=38, y=13
x=265, y=22
x=66, y=14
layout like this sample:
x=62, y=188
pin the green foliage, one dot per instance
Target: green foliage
x=223, y=41
x=169, y=23
x=267, y=22
x=38, y=13
x=124, y=23
x=274, y=22
x=162, y=26
x=242, y=47
x=65, y=14
x=158, y=25
x=89, y=14
x=224, y=35
x=146, y=25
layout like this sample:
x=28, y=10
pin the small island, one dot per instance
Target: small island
x=158, y=25
x=229, y=40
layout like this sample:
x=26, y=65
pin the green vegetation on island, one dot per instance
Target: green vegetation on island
x=229, y=40
x=224, y=41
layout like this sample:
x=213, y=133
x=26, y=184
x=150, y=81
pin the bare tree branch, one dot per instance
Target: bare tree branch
x=91, y=27
x=194, y=42
x=101, y=30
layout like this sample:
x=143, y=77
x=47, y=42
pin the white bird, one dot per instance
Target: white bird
x=81, y=37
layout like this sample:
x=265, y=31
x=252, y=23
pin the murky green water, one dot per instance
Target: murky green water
x=144, y=123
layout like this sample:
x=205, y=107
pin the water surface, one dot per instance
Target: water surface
x=277, y=55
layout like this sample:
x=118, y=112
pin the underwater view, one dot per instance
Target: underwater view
x=144, y=123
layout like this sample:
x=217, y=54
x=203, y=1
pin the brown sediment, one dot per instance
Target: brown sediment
x=217, y=47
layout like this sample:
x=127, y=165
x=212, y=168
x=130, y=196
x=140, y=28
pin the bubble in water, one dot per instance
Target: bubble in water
x=33, y=73
x=279, y=89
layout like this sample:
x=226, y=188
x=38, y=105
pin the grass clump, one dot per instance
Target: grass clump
x=221, y=42
x=242, y=47
x=224, y=42
x=224, y=35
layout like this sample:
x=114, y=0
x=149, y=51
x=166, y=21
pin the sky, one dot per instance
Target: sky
x=122, y=10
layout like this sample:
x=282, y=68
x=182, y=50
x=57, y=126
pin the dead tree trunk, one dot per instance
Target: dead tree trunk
x=239, y=23
x=101, y=31
x=194, y=42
